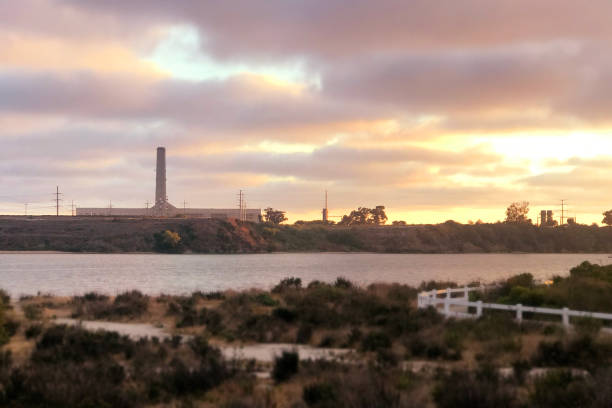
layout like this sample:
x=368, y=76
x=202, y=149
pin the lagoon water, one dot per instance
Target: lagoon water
x=70, y=274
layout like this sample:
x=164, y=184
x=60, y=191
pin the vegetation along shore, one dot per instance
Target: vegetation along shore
x=396, y=354
x=182, y=235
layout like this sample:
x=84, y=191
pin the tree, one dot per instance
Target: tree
x=364, y=215
x=607, y=217
x=516, y=213
x=379, y=217
x=399, y=223
x=167, y=241
x=273, y=216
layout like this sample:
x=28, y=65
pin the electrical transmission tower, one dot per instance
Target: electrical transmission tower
x=242, y=206
x=563, y=210
x=57, y=200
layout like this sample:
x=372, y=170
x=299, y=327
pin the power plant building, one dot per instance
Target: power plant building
x=163, y=208
x=546, y=218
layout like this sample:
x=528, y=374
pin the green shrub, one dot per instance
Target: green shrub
x=304, y=334
x=343, y=283
x=320, y=395
x=375, y=341
x=71, y=367
x=11, y=326
x=132, y=304
x=288, y=284
x=327, y=341
x=32, y=311
x=468, y=389
x=167, y=242
x=284, y=314
x=265, y=299
x=4, y=336
x=128, y=304
x=587, y=326
x=5, y=299
x=560, y=389
x=33, y=331
x=354, y=336
x=581, y=351
x=93, y=297
x=285, y=366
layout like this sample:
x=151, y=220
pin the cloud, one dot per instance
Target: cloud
x=240, y=103
x=328, y=29
x=37, y=52
x=455, y=81
x=399, y=103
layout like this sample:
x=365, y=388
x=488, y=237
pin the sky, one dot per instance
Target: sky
x=436, y=109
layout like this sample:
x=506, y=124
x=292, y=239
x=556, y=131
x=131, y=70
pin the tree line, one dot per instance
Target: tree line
x=517, y=213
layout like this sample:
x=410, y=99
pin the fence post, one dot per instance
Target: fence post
x=566, y=321
x=466, y=293
x=448, y=293
x=434, y=295
x=446, y=306
x=519, y=312
x=479, y=308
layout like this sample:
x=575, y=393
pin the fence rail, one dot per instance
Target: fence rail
x=431, y=298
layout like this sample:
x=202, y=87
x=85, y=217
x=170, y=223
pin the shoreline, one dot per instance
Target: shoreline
x=50, y=252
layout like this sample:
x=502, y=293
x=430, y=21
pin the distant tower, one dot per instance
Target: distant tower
x=325, y=212
x=160, y=178
x=162, y=205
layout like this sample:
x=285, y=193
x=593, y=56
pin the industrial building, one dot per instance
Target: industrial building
x=163, y=208
x=546, y=218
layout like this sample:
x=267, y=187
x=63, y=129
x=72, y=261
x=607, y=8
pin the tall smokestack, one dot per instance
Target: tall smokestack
x=160, y=178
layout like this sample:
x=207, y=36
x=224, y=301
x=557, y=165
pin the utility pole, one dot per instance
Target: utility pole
x=184, y=207
x=110, y=207
x=26, y=209
x=241, y=206
x=57, y=200
x=562, y=210
x=72, y=207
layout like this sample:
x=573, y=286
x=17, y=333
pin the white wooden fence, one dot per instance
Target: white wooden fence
x=426, y=299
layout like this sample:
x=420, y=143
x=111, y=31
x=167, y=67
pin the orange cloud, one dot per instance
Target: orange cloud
x=34, y=52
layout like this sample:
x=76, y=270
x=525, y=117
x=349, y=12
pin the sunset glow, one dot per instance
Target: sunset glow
x=380, y=103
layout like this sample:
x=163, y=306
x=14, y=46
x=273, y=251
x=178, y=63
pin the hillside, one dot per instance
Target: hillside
x=77, y=234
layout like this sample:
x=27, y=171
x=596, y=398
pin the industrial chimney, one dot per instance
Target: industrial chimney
x=162, y=207
x=160, y=180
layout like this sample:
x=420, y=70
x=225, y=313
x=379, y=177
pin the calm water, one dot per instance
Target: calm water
x=68, y=274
